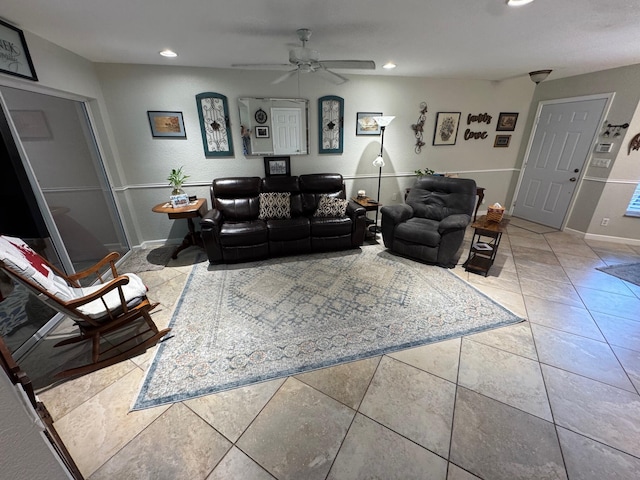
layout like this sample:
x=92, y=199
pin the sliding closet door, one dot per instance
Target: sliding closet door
x=63, y=169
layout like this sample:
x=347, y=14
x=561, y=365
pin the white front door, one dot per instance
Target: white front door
x=562, y=142
x=287, y=130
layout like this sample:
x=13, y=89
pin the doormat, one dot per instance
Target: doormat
x=629, y=272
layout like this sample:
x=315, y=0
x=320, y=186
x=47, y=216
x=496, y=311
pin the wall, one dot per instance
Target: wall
x=131, y=90
x=603, y=192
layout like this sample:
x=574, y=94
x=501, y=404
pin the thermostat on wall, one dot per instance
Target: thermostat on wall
x=604, y=147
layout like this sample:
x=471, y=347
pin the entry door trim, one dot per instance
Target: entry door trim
x=541, y=104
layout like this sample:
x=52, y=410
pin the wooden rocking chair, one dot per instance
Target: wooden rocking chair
x=96, y=310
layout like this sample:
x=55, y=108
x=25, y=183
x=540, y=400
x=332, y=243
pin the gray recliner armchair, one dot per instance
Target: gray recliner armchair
x=430, y=226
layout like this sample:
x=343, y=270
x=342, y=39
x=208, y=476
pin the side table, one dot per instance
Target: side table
x=195, y=209
x=369, y=206
x=482, y=252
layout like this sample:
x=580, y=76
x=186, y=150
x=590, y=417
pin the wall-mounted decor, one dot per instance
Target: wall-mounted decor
x=418, y=127
x=262, y=132
x=261, y=116
x=366, y=125
x=615, y=129
x=446, y=129
x=14, y=54
x=214, y=124
x=507, y=122
x=166, y=124
x=502, y=141
x=634, y=144
x=277, y=166
x=31, y=125
x=330, y=120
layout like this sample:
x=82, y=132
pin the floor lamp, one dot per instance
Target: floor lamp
x=382, y=121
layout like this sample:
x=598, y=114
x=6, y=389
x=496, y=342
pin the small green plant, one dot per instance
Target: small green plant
x=424, y=171
x=177, y=178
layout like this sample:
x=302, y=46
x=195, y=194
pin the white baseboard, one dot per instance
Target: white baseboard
x=605, y=238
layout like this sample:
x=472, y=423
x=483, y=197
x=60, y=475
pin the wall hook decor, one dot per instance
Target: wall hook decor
x=634, y=144
x=615, y=129
x=418, y=128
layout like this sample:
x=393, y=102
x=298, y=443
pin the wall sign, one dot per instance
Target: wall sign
x=330, y=120
x=214, y=124
x=479, y=118
x=14, y=54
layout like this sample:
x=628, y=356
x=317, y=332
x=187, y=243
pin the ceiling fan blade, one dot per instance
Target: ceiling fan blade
x=266, y=66
x=349, y=64
x=284, y=77
x=332, y=76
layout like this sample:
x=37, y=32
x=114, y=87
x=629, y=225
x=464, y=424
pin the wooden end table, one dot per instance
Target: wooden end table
x=482, y=252
x=195, y=209
x=369, y=206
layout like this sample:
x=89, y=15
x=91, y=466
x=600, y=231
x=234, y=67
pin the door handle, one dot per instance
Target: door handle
x=572, y=179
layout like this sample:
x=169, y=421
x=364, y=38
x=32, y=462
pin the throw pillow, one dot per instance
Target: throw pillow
x=331, y=207
x=275, y=205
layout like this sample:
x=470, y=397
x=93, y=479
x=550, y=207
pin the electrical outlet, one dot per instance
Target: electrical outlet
x=604, y=222
x=394, y=197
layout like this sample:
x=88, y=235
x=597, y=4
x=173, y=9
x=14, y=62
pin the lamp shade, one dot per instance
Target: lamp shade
x=378, y=162
x=539, y=75
x=384, y=120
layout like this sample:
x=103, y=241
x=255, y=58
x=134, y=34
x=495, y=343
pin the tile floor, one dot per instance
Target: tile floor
x=553, y=397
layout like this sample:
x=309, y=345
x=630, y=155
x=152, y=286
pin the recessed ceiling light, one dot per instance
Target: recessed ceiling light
x=168, y=53
x=389, y=65
x=518, y=3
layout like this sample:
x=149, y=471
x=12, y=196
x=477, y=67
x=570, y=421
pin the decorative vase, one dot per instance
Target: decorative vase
x=177, y=191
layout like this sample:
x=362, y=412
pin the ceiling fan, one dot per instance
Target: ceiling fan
x=307, y=60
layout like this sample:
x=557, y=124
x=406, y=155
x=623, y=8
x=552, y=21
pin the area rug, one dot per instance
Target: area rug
x=629, y=272
x=242, y=324
x=143, y=260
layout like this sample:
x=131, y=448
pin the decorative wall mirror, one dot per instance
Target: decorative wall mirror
x=274, y=126
x=331, y=124
x=214, y=123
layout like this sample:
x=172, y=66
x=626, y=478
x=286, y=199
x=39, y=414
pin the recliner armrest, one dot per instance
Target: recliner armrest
x=212, y=220
x=397, y=213
x=454, y=222
x=355, y=210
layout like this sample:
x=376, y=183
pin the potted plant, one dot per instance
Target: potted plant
x=424, y=171
x=176, y=179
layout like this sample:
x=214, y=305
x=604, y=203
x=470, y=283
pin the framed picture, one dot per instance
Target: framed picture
x=507, y=122
x=262, y=132
x=166, y=124
x=15, y=58
x=277, y=166
x=366, y=125
x=31, y=124
x=446, y=130
x=213, y=113
x=502, y=141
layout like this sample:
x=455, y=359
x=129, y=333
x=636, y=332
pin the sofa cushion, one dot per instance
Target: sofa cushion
x=330, y=226
x=275, y=205
x=243, y=233
x=422, y=231
x=290, y=229
x=331, y=207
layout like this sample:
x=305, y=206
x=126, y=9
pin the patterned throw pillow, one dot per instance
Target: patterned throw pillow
x=276, y=205
x=331, y=207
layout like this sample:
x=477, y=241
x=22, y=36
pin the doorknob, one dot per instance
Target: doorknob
x=572, y=179
x=576, y=170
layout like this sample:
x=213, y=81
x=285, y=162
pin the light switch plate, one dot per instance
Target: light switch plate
x=604, y=147
x=601, y=162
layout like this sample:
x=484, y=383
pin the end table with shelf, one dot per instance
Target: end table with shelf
x=484, y=244
x=370, y=206
x=195, y=209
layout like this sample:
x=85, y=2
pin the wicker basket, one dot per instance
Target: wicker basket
x=495, y=214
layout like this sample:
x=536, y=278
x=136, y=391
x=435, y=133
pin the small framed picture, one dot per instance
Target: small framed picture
x=366, y=125
x=262, y=132
x=446, y=129
x=178, y=201
x=502, y=141
x=167, y=124
x=15, y=58
x=277, y=166
x=507, y=122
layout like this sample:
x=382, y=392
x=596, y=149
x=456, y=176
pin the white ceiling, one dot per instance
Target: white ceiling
x=481, y=39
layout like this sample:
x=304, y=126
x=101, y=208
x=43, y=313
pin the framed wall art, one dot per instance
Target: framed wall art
x=166, y=124
x=14, y=54
x=262, y=132
x=330, y=120
x=277, y=166
x=506, y=122
x=502, y=141
x=213, y=112
x=366, y=125
x=446, y=130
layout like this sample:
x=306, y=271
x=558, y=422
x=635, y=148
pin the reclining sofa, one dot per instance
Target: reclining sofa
x=254, y=218
x=430, y=227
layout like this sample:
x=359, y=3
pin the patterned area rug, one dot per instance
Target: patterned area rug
x=242, y=324
x=629, y=272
